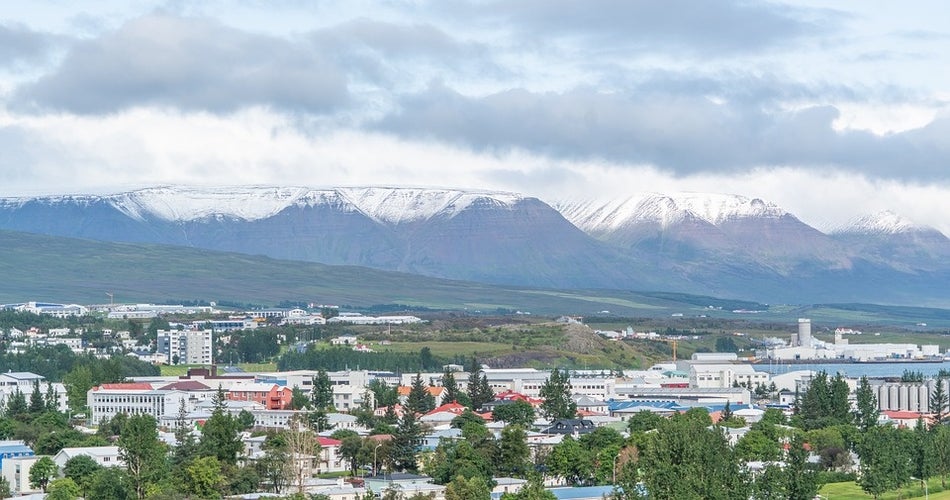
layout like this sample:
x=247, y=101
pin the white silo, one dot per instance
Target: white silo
x=804, y=332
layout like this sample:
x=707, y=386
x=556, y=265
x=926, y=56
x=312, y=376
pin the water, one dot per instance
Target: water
x=856, y=370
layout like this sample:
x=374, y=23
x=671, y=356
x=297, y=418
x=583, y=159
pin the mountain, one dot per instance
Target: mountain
x=889, y=237
x=686, y=227
x=487, y=236
x=703, y=244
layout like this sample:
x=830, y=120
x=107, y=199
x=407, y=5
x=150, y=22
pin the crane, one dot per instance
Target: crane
x=111, y=298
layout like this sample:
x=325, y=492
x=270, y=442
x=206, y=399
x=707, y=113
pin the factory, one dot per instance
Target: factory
x=803, y=346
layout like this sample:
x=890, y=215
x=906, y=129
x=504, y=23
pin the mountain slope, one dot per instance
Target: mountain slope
x=890, y=238
x=487, y=236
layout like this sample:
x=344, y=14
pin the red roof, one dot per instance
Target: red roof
x=137, y=386
x=186, y=385
x=452, y=407
x=510, y=395
x=403, y=390
x=325, y=441
x=901, y=415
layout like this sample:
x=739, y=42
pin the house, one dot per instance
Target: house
x=567, y=426
x=272, y=396
x=328, y=458
x=443, y=414
x=902, y=419
x=106, y=456
x=13, y=449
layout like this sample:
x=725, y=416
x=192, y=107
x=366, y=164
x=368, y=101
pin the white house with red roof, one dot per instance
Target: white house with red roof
x=902, y=418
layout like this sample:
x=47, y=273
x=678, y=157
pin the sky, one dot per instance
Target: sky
x=830, y=109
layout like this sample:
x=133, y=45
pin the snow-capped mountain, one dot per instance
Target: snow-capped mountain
x=665, y=210
x=489, y=236
x=885, y=222
x=696, y=226
x=711, y=244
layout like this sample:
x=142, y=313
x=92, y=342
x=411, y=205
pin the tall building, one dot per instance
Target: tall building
x=187, y=347
x=804, y=332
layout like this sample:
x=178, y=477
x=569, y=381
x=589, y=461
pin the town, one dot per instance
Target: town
x=372, y=431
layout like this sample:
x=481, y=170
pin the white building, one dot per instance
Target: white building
x=106, y=456
x=16, y=471
x=108, y=400
x=191, y=347
x=723, y=376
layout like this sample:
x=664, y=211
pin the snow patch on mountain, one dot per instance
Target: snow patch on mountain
x=882, y=223
x=385, y=205
x=665, y=210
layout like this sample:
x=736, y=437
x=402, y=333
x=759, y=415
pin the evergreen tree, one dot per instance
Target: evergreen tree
x=419, y=399
x=321, y=396
x=16, y=404
x=453, y=393
x=939, y=400
x=726, y=413
x=886, y=461
x=405, y=442
x=865, y=414
x=51, y=400
x=298, y=400
x=186, y=447
x=513, y=452
x=479, y=392
x=37, y=405
x=941, y=443
x=556, y=392
x=923, y=451
x=219, y=435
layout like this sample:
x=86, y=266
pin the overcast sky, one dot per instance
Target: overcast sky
x=830, y=109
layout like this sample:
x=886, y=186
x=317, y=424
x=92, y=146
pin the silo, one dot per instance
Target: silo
x=925, y=396
x=902, y=398
x=893, y=399
x=882, y=402
x=912, y=397
x=804, y=332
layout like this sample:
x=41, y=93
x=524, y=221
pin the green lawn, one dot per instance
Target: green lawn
x=179, y=370
x=849, y=490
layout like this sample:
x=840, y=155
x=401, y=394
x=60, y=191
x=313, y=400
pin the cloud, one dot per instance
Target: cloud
x=694, y=26
x=189, y=64
x=686, y=132
x=19, y=44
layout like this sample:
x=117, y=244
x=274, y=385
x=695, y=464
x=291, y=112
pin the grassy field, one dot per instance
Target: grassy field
x=850, y=490
x=179, y=370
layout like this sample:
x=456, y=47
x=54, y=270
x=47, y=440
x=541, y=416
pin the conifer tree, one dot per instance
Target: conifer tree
x=556, y=392
x=939, y=400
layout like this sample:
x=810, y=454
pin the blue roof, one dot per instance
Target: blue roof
x=582, y=492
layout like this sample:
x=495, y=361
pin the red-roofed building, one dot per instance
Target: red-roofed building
x=509, y=395
x=903, y=419
x=272, y=396
x=397, y=410
x=136, y=386
x=436, y=392
x=328, y=458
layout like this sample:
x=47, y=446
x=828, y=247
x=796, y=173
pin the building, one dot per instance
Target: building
x=13, y=449
x=108, y=400
x=16, y=471
x=190, y=347
x=724, y=376
x=272, y=396
x=106, y=456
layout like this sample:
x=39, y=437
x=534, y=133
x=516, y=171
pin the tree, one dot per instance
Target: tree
x=321, y=396
x=273, y=465
x=824, y=402
x=37, y=405
x=556, y=392
x=755, y=445
x=16, y=405
x=419, y=399
x=802, y=482
x=467, y=417
x=298, y=400
x=110, y=483
x=886, y=461
x=474, y=488
x=186, y=446
x=78, y=382
x=865, y=414
x=479, y=392
x=81, y=469
x=532, y=490
x=142, y=451
x=513, y=452
x=923, y=451
x=219, y=435
x=941, y=444
x=644, y=420
x=404, y=443
x=939, y=400
x=41, y=472
x=571, y=461
x=204, y=478
x=51, y=400
x=514, y=413
x=686, y=458
x=453, y=393
x=726, y=344
x=63, y=489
